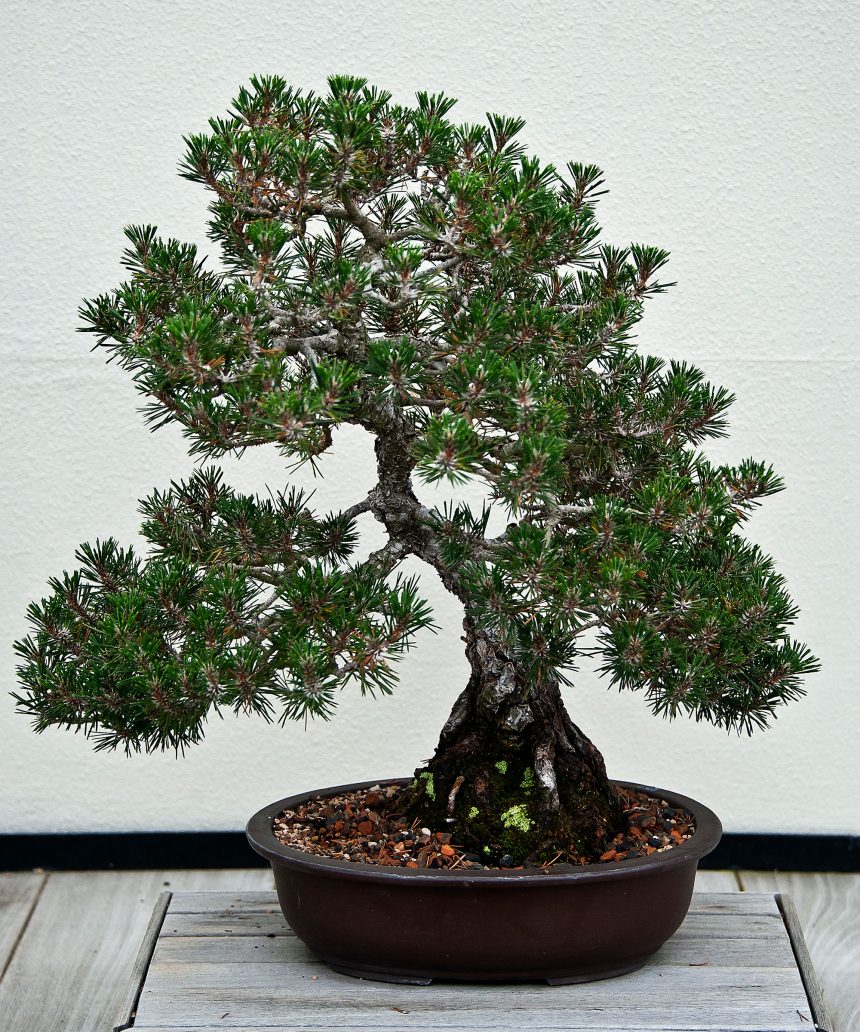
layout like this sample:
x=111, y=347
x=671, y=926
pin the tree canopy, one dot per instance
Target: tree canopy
x=385, y=266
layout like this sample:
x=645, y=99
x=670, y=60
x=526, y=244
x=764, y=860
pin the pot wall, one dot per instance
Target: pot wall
x=418, y=925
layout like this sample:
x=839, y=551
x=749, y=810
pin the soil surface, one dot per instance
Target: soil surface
x=362, y=827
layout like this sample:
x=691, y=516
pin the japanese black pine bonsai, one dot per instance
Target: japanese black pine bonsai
x=382, y=266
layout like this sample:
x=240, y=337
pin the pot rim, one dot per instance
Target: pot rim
x=262, y=839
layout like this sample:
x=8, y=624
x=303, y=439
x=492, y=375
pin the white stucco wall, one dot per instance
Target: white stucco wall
x=728, y=133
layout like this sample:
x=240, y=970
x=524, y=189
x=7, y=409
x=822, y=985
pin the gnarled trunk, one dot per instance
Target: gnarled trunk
x=512, y=774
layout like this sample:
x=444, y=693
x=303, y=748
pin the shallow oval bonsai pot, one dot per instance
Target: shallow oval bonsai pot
x=415, y=925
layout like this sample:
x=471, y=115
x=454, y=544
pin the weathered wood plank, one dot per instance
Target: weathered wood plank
x=404, y=1019
x=705, y=1012
x=717, y=881
x=693, y=948
x=18, y=895
x=204, y=902
x=71, y=970
x=730, y=967
x=828, y=906
x=731, y=1000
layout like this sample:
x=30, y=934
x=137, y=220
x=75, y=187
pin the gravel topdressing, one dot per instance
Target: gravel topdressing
x=354, y=827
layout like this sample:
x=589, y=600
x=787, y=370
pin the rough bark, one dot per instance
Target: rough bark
x=512, y=774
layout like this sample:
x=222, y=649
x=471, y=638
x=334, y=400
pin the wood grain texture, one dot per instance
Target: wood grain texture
x=226, y=961
x=71, y=969
x=18, y=895
x=828, y=906
x=717, y=881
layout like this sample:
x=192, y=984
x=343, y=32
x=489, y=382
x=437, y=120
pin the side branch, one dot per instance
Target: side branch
x=357, y=509
x=371, y=231
x=325, y=342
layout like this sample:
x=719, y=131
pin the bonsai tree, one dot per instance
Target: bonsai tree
x=383, y=266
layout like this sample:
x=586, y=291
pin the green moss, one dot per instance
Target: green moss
x=473, y=813
x=517, y=818
x=429, y=787
x=528, y=782
x=502, y=766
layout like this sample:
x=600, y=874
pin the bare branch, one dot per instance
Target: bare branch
x=574, y=510
x=325, y=342
x=587, y=626
x=371, y=231
x=357, y=509
x=308, y=352
x=385, y=559
x=393, y=306
x=435, y=404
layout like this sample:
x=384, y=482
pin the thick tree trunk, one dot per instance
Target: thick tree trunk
x=512, y=774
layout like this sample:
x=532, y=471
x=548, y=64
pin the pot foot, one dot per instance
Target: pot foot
x=596, y=976
x=379, y=976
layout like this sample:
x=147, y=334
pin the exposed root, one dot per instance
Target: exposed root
x=452, y=795
x=545, y=771
x=512, y=774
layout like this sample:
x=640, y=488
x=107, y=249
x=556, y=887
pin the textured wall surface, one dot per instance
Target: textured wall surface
x=728, y=133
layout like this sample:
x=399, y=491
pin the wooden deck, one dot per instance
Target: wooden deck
x=68, y=941
x=227, y=960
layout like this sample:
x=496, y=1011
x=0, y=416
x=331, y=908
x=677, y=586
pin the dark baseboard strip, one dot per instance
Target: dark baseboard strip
x=756, y=852
x=210, y=849
x=123, y=851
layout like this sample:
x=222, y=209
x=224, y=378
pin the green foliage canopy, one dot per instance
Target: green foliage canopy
x=384, y=266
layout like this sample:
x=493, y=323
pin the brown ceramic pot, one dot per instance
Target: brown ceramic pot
x=405, y=925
